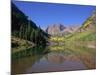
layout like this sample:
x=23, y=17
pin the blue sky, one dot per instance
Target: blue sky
x=44, y=14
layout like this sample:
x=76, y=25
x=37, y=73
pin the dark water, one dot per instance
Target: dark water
x=58, y=58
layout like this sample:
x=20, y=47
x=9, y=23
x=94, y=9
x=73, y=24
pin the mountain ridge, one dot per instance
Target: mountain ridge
x=60, y=29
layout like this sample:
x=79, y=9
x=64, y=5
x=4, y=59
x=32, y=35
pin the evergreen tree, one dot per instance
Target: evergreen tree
x=21, y=31
x=32, y=36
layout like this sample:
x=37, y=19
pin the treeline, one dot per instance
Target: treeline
x=24, y=28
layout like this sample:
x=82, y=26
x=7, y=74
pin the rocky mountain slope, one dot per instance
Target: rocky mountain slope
x=87, y=31
x=55, y=29
x=59, y=29
x=90, y=23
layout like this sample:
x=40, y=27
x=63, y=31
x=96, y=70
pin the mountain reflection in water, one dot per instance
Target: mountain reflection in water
x=58, y=59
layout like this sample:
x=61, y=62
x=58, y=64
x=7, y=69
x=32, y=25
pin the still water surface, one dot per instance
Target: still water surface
x=58, y=59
